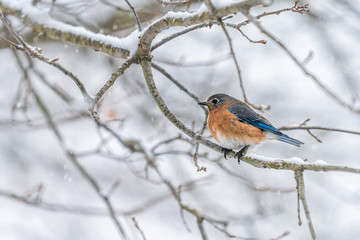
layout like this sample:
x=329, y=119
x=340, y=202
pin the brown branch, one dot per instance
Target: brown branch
x=114, y=76
x=174, y=2
x=60, y=139
x=300, y=186
x=210, y=23
x=296, y=8
x=319, y=128
x=176, y=83
x=136, y=147
x=200, y=63
x=197, y=145
x=138, y=228
x=91, y=211
x=200, y=222
x=249, y=39
x=71, y=35
x=97, y=40
x=311, y=134
x=79, y=167
x=281, y=236
x=166, y=22
x=232, y=52
x=35, y=52
x=315, y=79
x=259, y=163
x=193, y=96
x=135, y=14
x=250, y=184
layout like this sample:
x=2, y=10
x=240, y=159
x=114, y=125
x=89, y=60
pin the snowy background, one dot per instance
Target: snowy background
x=257, y=203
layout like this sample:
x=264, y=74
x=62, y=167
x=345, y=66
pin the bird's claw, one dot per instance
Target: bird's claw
x=241, y=153
x=225, y=151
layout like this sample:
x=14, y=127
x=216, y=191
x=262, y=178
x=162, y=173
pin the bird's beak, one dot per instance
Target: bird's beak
x=203, y=103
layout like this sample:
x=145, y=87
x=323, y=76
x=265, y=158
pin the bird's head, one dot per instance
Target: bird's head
x=217, y=100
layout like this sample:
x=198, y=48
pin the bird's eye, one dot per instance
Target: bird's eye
x=215, y=101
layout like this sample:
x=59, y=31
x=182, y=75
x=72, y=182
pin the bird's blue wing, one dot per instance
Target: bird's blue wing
x=247, y=115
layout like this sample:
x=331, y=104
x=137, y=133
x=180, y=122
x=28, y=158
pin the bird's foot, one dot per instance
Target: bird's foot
x=241, y=153
x=225, y=151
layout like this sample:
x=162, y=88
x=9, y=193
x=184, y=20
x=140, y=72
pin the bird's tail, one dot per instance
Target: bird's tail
x=285, y=138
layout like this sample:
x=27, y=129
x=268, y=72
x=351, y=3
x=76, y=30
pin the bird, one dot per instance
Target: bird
x=235, y=126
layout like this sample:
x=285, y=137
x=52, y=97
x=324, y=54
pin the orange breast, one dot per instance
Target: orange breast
x=230, y=132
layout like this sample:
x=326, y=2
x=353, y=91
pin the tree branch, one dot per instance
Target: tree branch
x=300, y=186
x=315, y=79
x=256, y=162
x=135, y=14
x=319, y=128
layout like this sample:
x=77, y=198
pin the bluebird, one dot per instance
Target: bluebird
x=237, y=127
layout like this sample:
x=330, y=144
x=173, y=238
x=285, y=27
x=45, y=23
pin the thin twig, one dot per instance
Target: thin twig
x=232, y=52
x=136, y=147
x=281, y=236
x=91, y=211
x=249, y=39
x=177, y=83
x=301, y=194
x=138, y=228
x=315, y=79
x=114, y=76
x=193, y=96
x=81, y=169
x=211, y=22
x=111, y=4
x=311, y=134
x=296, y=8
x=250, y=184
x=175, y=35
x=35, y=52
x=57, y=133
x=319, y=128
x=174, y=2
x=200, y=63
x=135, y=14
x=167, y=141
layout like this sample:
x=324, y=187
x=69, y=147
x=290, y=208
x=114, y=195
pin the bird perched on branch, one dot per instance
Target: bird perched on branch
x=237, y=127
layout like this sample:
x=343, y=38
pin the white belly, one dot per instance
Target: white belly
x=233, y=143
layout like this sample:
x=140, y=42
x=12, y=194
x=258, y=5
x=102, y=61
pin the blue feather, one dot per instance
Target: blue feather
x=247, y=115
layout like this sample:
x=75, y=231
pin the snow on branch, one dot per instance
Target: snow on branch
x=41, y=22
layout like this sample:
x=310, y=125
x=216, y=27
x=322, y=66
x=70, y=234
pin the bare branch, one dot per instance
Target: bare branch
x=300, y=186
x=72, y=157
x=91, y=211
x=35, y=52
x=200, y=222
x=201, y=63
x=315, y=79
x=177, y=83
x=138, y=228
x=75, y=35
x=210, y=23
x=235, y=60
x=114, y=76
x=260, y=163
x=135, y=14
x=319, y=128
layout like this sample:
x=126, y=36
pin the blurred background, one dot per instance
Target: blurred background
x=44, y=196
